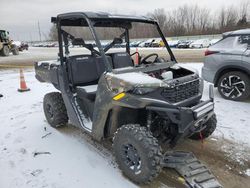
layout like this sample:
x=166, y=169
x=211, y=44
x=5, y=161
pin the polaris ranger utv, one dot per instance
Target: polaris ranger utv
x=141, y=103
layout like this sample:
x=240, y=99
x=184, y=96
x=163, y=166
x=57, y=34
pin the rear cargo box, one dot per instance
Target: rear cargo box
x=46, y=71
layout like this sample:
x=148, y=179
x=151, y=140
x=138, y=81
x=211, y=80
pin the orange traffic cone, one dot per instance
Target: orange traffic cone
x=136, y=57
x=23, y=86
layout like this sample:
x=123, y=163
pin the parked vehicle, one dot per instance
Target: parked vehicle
x=173, y=43
x=50, y=44
x=141, y=107
x=201, y=43
x=6, y=44
x=135, y=43
x=35, y=45
x=17, y=44
x=147, y=43
x=40, y=45
x=157, y=43
x=213, y=41
x=24, y=46
x=21, y=45
x=184, y=44
x=227, y=65
x=104, y=44
x=123, y=45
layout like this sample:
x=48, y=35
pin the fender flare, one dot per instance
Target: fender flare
x=229, y=68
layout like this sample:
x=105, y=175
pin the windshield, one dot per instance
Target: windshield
x=143, y=38
x=233, y=43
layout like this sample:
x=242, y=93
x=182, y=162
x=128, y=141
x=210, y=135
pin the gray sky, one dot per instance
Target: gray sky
x=20, y=17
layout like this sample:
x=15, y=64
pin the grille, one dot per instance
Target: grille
x=181, y=91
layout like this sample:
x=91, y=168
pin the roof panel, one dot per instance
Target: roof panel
x=102, y=16
x=238, y=32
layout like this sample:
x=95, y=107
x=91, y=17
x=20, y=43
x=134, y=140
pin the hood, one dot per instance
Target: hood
x=130, y=80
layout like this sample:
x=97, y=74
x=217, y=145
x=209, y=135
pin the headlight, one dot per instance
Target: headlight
x=142, y=90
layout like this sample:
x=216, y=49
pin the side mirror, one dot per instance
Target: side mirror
x=78, y=42
x=117, y=41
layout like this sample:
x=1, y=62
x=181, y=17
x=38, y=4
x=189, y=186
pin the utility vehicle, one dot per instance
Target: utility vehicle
x=141, y=103
x=6, y=45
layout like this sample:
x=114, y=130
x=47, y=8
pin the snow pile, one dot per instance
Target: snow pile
x=91, y=88
x=139, y=78
x=247, y=172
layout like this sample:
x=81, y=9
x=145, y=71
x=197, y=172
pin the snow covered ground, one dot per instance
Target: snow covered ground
x=72, y=161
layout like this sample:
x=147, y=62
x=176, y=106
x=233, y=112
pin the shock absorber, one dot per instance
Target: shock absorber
x=149, y=119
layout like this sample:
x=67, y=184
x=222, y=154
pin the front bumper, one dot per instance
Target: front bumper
x=189, y=119
x=202, y=108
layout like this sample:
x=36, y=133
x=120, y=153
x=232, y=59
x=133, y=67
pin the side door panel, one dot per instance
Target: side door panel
x=246, y=54
x=233, y=54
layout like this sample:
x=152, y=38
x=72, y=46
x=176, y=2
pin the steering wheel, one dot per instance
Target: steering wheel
x=134, y=54
x=144, y=60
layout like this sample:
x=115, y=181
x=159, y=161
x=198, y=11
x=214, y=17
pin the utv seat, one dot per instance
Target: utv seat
x=121, y=60
x=85, y=70
x=84, y=74
x=87, y=92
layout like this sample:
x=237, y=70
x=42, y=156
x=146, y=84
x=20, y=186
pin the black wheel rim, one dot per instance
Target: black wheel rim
x=49, y=111
x=132, y=158
x=232, y=86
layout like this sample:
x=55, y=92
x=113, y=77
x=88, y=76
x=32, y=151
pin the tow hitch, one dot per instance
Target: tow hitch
x=196, y=174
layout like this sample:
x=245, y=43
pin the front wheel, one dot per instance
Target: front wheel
x=54, y=109
x=137, y=153
x=234, y=85
x=15, y=51
x=5, y=51
x=210, y=127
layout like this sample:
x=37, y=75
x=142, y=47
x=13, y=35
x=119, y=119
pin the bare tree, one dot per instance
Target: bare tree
x=160, y=16
x=53, y=33
x=244, y=9
x=231, y=17
x=188, y=19
x=177, y=21
x=228, y=18
x=203, y=18
x=243, y=14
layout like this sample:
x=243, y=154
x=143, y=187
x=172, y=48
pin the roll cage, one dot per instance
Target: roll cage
x=92, y=20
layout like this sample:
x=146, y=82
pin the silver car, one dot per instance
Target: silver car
x=227, y=65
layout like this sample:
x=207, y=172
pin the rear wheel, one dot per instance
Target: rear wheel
x=54, y=109
x=137, y=153
x=234, y=85
x=15, y=51
x=210, y=127
x=5, y=51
